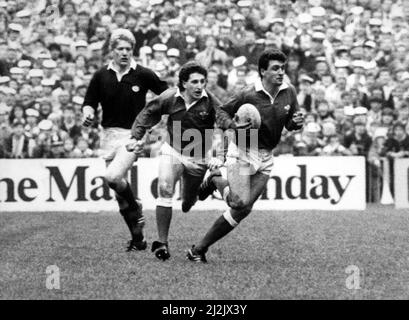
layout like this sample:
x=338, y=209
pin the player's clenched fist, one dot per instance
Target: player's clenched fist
x=88, y=115
x=298, y=118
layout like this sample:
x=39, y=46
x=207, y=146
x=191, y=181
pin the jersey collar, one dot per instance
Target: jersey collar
x=258, y=86
x=188, y=106
x=131, y=66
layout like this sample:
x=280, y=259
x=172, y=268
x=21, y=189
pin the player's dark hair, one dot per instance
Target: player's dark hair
x=187, y=69
x=269, y=55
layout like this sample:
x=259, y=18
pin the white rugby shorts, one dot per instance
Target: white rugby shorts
x=259, y=160
x=193, y=166
x=111, y=140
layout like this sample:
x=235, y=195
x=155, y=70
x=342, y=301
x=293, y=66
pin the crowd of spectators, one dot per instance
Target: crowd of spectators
x=347, y=59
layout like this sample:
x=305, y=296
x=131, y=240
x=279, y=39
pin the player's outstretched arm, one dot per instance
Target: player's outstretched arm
x=147, y=118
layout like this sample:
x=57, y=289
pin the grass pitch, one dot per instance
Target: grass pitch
x=271, y=255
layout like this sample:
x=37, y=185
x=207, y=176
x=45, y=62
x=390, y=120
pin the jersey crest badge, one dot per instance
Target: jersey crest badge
x=135, y=88
x=203, y=115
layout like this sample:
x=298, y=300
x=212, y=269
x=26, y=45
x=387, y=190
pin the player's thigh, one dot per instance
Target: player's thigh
x=120, y=165
x=239, y=178
x=258, y=183
x=170, y=171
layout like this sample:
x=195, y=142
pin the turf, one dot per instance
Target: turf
x=272, y=255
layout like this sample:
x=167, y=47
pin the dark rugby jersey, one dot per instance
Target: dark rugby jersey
x=275, y=113
x=121, y=101
x=200, y=116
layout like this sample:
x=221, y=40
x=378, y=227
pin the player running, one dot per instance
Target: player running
x=277, y=104
x=192, y=111
x=120, y=88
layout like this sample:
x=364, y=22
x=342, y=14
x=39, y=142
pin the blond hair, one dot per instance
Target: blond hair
x=121, y=35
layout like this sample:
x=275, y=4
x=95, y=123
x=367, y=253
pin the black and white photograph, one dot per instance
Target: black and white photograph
x=204, y=155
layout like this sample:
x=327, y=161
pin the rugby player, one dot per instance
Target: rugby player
x=120, y=88
x=192, y=112
x=277, y=104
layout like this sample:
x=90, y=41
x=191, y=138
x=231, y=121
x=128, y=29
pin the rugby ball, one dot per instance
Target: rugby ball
x=248, y=113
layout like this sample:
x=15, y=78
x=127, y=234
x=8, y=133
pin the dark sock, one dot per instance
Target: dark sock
x=128, y=196
x=163, y=219
x=131, y=211
x=219, y=229
x=123, y=205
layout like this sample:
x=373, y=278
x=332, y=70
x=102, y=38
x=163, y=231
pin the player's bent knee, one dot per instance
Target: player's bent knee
x=239, y=215
x=112, y=180
x=235, y=202
x=165, y=190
